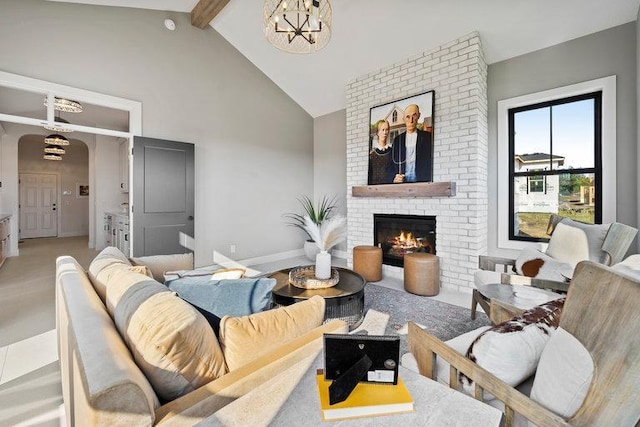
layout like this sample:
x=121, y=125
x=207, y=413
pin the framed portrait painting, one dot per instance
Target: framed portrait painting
x=401, y=140
x=83, y=190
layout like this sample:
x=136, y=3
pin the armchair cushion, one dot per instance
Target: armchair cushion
x=533, y=263
x=564, y=375
x=511, y=350
x=159, y=264
x=571, y=241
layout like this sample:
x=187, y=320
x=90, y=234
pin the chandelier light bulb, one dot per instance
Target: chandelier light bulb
x=284, y=5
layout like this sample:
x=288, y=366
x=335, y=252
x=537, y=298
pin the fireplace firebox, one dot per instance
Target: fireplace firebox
x=398, y=235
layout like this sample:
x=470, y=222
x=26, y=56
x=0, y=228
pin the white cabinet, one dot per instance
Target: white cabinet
x=124, y=166
x=4, y=238
x=116, y=228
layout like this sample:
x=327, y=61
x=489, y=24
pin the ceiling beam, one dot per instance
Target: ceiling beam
x=205, y=11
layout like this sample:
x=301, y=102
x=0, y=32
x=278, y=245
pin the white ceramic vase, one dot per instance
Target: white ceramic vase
x=323, y=265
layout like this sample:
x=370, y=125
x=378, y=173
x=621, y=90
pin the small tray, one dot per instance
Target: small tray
x=305, y=278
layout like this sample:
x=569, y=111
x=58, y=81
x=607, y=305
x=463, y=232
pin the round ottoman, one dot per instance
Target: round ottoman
x=367, y=261
x=422, y=274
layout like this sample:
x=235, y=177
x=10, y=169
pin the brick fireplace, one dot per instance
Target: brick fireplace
x=457, y=72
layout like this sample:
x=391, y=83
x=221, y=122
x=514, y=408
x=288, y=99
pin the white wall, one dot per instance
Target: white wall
x=330, y=161
x=254, y=145
x=107, y=182
x=606, y=53
x=73, y=212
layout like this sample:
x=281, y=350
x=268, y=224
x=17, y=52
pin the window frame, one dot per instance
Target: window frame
x=542, y=174
x=608, y=150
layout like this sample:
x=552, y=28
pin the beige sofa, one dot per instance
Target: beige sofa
x=108, y=379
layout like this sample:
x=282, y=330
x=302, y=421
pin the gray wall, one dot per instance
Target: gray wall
x=330, y=160
x=254, y=145
x=637, y=112
x=609, y=52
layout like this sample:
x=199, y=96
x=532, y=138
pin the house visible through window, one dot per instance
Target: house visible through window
x=556, y=165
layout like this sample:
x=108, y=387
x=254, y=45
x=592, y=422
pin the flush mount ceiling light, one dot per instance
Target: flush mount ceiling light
x=63, y=104
x=298, y=26
x=54, y=149
x=56, y=139
x=52, y=157
x=59, y=127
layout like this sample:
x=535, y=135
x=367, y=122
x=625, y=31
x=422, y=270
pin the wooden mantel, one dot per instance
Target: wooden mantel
x=417, y=189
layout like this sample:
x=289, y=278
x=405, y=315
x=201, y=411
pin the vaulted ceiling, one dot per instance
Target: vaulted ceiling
x=371, y=34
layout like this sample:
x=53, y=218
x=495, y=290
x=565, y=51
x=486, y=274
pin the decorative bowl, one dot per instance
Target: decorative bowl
x=304, y=277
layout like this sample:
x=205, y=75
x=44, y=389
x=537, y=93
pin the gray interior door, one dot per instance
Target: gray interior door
x=163, y=178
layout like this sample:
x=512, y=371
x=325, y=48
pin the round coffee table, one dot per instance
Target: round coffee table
x=343, y=301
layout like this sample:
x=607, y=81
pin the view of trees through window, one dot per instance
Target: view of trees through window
x=555, y=147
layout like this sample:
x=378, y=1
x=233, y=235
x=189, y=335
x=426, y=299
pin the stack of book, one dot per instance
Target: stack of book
x=366, y=400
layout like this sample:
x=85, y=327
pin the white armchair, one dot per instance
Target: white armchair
x=588, y=371
x=571, y=242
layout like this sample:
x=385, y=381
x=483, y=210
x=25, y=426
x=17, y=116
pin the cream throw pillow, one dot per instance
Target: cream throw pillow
x=244, y=339
x=228, y=273
x=568, y=244
x=171, y=342
x=103, y=266
x=159, y=264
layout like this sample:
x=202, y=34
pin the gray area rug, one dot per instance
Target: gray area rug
x=445, y=321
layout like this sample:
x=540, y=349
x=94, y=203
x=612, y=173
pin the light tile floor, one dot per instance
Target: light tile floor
x=30, y=388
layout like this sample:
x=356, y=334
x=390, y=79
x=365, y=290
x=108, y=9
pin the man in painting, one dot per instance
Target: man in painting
x=412, y=152
x=381, y=169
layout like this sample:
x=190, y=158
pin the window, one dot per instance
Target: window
x=556, y=154
x=394, y=116
x=555, y=147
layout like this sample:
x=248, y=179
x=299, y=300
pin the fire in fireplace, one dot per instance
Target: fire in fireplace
x=398, y=235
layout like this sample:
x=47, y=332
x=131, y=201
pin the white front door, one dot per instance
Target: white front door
x=38, y=205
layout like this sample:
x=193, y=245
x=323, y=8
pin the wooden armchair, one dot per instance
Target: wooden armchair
x=601, y=312
x=616, y=244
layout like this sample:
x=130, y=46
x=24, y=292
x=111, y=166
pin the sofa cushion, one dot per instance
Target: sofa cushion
x=103, y=266
x=564, y=375
x=244, y=339
x=629, y=267
x=228, y=273
x=159, y=264
x=170, y=340
x=511, y=350
x=533, y=263
x=232, y=297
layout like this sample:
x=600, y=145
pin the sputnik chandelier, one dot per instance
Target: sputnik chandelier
x=298, y=26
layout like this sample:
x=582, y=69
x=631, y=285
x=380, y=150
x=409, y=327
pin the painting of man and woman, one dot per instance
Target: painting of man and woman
x=401, y=141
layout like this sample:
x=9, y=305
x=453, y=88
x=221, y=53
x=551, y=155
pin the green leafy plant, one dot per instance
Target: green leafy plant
x=317, y=213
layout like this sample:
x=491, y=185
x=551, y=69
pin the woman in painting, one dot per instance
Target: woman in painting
x=380, y=163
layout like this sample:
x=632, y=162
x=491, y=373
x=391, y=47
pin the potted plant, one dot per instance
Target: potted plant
x=325, y=236
x=317, y=213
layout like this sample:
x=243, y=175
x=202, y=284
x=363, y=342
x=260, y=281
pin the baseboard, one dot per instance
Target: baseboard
x=72, y=234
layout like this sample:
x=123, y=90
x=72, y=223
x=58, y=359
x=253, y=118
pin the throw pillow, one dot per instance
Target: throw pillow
x=564, y=375
x=169, y=340
x=533, y=263
x=142, y=269
x=594, y=235
x=511, y=350
x=244, y=339
x=228, y=273
x=158, y=264
x=229, y=297
x=103, y=266
x=568, y=244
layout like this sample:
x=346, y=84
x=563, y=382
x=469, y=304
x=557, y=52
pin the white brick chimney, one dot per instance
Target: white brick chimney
x=457, y=71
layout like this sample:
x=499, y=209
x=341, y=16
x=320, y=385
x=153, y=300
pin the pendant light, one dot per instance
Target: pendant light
x=63, y=104
x=51, y=156
x=54, y=149
x=56, y=139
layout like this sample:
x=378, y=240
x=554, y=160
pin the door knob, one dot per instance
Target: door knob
x=190, y=218
x=53, y=209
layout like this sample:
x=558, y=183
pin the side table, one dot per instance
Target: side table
x=503, y=302
x=344, y=301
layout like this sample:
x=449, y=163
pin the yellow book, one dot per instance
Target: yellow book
x=365, y=400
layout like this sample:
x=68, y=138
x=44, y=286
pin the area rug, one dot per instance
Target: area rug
x=444, y=321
